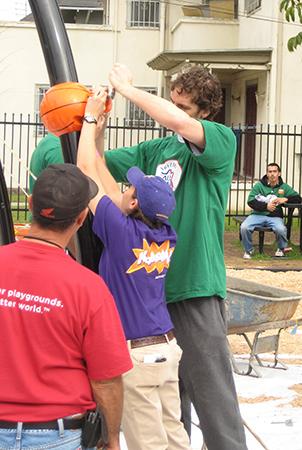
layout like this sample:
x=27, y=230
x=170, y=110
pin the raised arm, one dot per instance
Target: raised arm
x=160, y=109
x=109, y=395
x=99, y=141
x=88, y=159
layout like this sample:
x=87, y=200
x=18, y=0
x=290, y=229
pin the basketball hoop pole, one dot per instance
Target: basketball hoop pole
x=61, y=68
x=58, y=57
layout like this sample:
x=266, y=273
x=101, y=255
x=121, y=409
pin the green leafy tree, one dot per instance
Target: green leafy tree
x=291, y=8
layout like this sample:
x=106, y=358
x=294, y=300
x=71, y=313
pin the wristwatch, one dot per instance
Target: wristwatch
x=90, y=119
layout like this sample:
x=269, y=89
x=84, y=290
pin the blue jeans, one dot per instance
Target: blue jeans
x=257, y=220
x=15, y=439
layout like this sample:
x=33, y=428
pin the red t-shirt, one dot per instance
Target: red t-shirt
x=59, y=328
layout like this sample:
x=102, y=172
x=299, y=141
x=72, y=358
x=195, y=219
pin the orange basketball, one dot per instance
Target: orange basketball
x=63, y=107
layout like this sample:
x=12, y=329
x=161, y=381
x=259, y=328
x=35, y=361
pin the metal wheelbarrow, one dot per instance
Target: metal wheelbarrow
x=256, y=307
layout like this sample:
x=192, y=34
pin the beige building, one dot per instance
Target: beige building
x=242, y=41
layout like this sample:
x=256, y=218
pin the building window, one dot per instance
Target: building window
x=83, y=16
x=251, y=5
x=143, y=14
x=40, y=90
x=136, y=116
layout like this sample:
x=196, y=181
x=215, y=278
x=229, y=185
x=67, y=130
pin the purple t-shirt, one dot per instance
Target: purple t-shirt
x=133, y=264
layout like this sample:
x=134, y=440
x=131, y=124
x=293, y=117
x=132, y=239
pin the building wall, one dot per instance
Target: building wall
x=255, y=31
x=266, y=28
x=193, y=33
x=20, y=68
x=95, y=50
x=290, y=106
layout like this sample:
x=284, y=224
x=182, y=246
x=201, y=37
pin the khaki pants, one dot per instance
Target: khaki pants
x=151, y=413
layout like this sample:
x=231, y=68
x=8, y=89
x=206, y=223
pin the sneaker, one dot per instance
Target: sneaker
x=280, y=252
x=248, y=255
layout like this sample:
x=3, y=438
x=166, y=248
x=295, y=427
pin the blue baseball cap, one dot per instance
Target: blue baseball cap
x=155, y=197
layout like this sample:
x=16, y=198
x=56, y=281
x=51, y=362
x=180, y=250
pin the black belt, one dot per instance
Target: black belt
x=151, y=340
x=69, y=424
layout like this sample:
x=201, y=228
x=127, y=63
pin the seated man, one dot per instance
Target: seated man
x=265, y=199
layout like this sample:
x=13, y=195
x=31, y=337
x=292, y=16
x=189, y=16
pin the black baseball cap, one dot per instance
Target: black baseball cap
x=62, y=192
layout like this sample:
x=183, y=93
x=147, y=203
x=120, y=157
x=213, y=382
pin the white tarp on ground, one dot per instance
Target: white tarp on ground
x=275, y=421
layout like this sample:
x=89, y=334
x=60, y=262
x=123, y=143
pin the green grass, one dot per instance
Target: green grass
x=20, y=217
x=232, y=226
x=294, y=255
x=21, y=202
x=235, y=226
x=15, y=198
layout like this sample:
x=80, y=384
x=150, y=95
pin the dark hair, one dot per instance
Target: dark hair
x=274, y=164
x=139, y=215
x=204, y=88
x=55, y=225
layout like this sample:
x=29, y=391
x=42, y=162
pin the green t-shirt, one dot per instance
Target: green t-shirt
x=47, y=152
x=201, y=183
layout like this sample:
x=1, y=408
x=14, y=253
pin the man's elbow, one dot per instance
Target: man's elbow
x=107, y=384
x=178, y=125
x=84, y=167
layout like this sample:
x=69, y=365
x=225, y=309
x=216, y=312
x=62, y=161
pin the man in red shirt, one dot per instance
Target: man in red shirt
x=62, y=346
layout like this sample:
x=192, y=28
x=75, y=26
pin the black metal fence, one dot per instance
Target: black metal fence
x=256, y=147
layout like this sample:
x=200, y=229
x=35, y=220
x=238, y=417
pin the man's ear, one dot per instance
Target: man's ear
x=81, y=217
x=204, y=114
x=30, y=203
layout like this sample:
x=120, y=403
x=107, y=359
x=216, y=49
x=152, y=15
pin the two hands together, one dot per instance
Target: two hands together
x=271, y=206
x=96, y=104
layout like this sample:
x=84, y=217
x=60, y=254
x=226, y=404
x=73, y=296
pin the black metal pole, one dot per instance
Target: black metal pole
x=58, y=57
x=7, y=234
x=61, y=68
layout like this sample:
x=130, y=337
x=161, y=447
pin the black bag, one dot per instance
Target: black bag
x=94, y=428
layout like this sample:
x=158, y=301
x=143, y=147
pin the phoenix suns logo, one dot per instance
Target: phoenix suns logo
x=152, y=257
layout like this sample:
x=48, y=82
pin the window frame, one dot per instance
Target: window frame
x=250, y=6
x=142, y=119
x=40, y=90
x=137, y=20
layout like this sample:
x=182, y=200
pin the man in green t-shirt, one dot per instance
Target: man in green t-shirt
x=47, y=152
x=198, y=163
